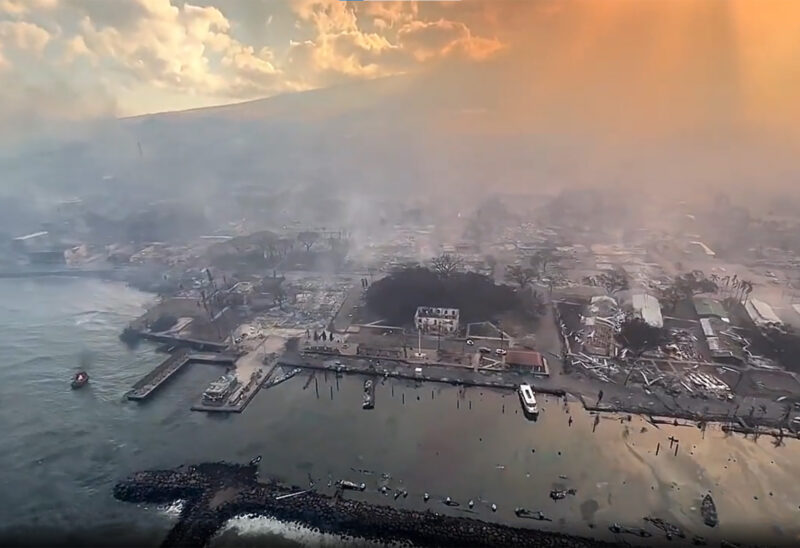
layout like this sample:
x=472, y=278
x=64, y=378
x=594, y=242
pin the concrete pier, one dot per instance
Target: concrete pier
x=362, y=367
x=242, y=395
x=144, y=388
x=194, y=344
x=151, y=382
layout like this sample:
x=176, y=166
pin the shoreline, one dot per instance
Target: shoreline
x=217, y=492
x=509, y=380
x=138, y=277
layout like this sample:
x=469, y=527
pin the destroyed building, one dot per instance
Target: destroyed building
x=644, y=306
x=600, y=322
x=761, y=313
x=437, y=320
x=707, y=307
x=721, y=345
x=599, y=337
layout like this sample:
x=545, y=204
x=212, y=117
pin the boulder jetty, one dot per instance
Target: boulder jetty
x=216, y=492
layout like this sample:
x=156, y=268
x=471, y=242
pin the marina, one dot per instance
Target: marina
x=482, y=429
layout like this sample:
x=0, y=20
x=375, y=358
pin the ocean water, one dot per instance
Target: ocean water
x=63, y=450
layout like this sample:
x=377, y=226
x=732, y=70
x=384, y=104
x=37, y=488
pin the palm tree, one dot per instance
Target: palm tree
x=734, y=285
x=727, y=280
x=747, y=288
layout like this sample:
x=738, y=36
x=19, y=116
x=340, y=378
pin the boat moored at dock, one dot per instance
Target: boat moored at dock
x=528, y=400
x=220, y=389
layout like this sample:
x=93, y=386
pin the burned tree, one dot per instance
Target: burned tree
x=519, y=275
x=279, y=297
x=397, y=296
x=544, y=257
x=308, y=239
x=687, y=285
x=445, y=264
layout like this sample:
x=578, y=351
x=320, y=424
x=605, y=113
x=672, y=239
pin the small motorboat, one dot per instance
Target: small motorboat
x=558, y=494
x=618, y=529
x=528, y=514
x=450, y=502
x=709, y=511
x=351, y=485
x=369, y=395
x=282, y=378
x=80, y=380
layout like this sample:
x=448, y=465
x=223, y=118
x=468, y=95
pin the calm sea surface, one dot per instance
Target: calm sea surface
x=62, y=450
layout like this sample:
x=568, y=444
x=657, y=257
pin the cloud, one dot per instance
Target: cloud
x=24, y=36
x=393, y=13
x=22, y=7
x=175, y=48
x=442, y=38
x=165, y=47
x=252, y=72
x=376, y=39
x=76, y=47
x=186, y=49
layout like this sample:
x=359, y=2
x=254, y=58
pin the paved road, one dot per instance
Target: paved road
x=344, y=317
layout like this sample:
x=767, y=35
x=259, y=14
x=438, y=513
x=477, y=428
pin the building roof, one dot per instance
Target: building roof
x=708, y=329
x=648, y=308
x=527, y=358
x=706, y=306
x=761, y=313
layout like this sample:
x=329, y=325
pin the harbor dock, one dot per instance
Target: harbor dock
x=156, y=378
x=242, y=395
x=174, y=340
x=461, y=377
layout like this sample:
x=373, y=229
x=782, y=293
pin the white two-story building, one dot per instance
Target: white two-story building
x=436, y=320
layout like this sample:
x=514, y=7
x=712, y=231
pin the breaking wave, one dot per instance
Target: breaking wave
x=174, y=509
x=254, y=526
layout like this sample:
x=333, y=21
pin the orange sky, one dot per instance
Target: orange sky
x=670, y=63
x=615, y=66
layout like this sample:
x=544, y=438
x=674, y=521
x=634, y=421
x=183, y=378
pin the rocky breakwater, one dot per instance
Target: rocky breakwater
x=216, y=492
